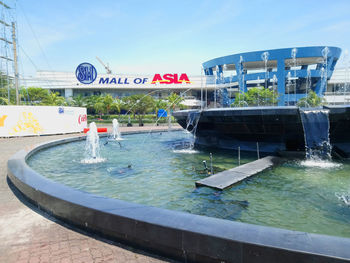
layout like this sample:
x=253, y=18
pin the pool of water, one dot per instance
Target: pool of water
x=154, y=169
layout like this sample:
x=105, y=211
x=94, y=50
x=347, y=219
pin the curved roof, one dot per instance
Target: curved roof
x=254, y=60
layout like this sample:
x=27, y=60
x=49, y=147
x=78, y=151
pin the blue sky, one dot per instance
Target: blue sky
x=148, y=37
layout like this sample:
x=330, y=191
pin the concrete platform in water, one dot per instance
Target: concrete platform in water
x=235, y=175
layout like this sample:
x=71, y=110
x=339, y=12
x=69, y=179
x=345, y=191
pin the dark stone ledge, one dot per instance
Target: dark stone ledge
x=175, y=234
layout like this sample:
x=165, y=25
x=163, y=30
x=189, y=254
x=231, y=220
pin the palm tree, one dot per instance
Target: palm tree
x=140, y=104
x=99, y=106
x=90, y=102
x=174, y=100
x=79, y=101
x=107, y=101
x=117, y=105
x=54, y=99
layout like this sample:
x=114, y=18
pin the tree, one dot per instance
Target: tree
x=90, y=102
x=107, y=101
x=174, y=100
x=311, y=100
x=99, y=106
x=140, y=104
x=54, y=99
x=256, y=97
x=79, y=101
x=3, y=101
x=37, y=95
x=117, y=105
x=128, y=105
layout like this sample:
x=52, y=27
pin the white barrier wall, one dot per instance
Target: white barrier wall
x=40, y=120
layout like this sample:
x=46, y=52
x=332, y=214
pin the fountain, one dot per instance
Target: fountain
x=259, y=87
x=346, y=86
x=265, y=58
x=308, y=82
x=274, y=82
x=324, y=71
x=317, y=144
x=116, y=132
x=191, y=127
x=294, y=59
x=92, y=146
x=289, y=83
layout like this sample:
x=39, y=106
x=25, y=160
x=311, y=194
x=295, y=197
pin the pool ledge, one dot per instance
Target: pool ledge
x=178, y=235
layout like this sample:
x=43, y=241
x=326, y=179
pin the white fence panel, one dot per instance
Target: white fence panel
x=40, y=120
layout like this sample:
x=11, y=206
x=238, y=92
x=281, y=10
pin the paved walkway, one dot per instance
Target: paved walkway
x=27, y=235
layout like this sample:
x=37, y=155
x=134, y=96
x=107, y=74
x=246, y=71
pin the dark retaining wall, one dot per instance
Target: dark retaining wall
x=175, y=234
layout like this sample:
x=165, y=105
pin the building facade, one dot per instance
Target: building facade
x=292, y=71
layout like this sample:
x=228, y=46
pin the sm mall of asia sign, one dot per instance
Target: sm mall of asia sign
x=86, y=73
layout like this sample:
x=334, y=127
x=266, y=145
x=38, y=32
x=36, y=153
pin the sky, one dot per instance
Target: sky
x=148, y=37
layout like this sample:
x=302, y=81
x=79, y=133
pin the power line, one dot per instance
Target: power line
x=36, y=38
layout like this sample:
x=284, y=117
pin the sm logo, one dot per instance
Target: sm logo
x=86, y=73
x=171, y=79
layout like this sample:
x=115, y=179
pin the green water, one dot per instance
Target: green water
x=291, y=196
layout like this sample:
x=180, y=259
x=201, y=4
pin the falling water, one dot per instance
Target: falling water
x=241, y=73
x=216, y=79
x=116, y=132
x=308, y=81
x=274, y=82
x=316, y=134
x=92, y=146
x=259, y=92
x=294, y=58
x=191, y=128
x=324, y=70
x=265, y=58
x=346, y=85
x=289, y=83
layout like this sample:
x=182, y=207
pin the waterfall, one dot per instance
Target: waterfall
x=192, y=121
x=316, y=133
x=191, y=127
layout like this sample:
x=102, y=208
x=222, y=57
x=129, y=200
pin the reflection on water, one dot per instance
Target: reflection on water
x=156, y=170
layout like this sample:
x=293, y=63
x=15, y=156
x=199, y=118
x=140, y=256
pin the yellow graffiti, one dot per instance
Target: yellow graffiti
x=2, y=120
x=27, y=122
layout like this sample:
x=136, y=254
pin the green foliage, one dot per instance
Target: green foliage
x=107, y=101
x=117, y=105
x=141, y=104
x=54, y=99
x=3, y=101
x=256, y=97
x=79, y=101
x=4, y=96
x=174, y=100
x=311, y=100
x=123, y=119
x=99, y=107
x=37, y=95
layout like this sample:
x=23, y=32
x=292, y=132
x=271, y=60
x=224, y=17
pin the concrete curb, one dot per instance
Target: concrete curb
x=179, y=235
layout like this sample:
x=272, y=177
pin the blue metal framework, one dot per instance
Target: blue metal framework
x=292, y=63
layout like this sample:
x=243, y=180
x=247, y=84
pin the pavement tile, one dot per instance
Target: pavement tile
x=37, y=239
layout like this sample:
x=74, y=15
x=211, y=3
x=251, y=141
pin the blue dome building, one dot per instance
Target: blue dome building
x=291, y=71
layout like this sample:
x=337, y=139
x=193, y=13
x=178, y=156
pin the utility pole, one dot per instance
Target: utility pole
x=15, y=60
x=5, y=55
